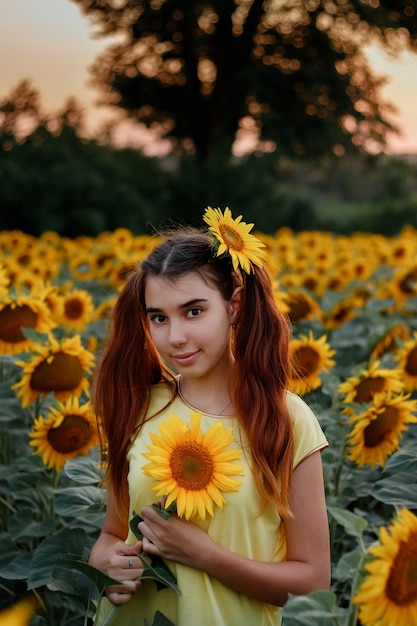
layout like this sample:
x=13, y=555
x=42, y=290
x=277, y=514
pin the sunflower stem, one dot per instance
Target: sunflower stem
x=354, y=608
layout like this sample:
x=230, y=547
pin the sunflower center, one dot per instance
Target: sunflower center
x=12, y=320
x=231, y=237
x=368, y=387
x=63, y=373
x=402, y=581
x=381, y=427
x=74, y=309
x=307, y=361
x=191, y=466
x=74, y=433
x=299, y=308
x=411, y=364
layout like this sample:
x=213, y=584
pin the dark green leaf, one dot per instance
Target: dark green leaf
x=397, y=491
x=159, y=620
x=133, y=524
x=84, y=470
x=160, y=573
x=98, y=577
x=353, y=524
x=17, y=568
x=47, y=554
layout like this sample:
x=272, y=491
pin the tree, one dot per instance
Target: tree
x=54, y=178
x=293, y=72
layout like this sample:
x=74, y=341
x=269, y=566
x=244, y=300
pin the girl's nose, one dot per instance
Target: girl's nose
x=177, y=334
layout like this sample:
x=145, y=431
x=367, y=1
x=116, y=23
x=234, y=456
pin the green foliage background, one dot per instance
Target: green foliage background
x=76, y=186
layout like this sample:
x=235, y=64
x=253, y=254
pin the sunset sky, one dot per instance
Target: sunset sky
x=52, y=44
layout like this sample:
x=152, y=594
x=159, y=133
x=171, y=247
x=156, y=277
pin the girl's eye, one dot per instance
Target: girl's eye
x=158, y=319
x=194, y=312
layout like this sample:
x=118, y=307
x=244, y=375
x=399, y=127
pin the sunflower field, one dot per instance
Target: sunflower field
x=352, y=302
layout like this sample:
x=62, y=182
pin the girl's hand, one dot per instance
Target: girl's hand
x=175, y=539
x=121, y=561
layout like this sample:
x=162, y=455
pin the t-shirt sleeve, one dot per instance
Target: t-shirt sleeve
x=308, y=434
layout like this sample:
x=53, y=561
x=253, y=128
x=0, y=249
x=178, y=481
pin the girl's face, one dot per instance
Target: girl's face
x=190, y=322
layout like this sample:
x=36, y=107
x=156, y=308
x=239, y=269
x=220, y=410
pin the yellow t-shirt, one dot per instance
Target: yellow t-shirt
x=237, y=526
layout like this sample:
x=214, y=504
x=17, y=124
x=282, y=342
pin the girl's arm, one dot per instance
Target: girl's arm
x=307, y=565
x=112, y=555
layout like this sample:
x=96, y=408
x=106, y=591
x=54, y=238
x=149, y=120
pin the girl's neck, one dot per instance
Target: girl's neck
x=214, y=399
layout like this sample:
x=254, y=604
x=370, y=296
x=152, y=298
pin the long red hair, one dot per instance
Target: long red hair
x=130, y=365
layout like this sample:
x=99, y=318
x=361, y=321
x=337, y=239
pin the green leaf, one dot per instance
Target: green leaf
x=159, y=619
x=98, y=577
x=17, y=568
x=35, y=335
x=404, y=460
x=319, y=607
x=353, y=524
x=397, y=491
x=133, y=524
x=83, y=470
x=82, y=503
x=160, y=573
x=159, y=570
x=23, y=527
x=47, y=554
x=165, y=513
x=348, y=565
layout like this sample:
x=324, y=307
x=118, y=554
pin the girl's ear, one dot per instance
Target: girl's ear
x=234, y=304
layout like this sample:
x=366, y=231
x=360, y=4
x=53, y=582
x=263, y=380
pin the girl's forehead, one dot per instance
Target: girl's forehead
x=191, y=284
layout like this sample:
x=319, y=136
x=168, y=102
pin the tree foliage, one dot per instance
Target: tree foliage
x=52, y=177
x=292, y=73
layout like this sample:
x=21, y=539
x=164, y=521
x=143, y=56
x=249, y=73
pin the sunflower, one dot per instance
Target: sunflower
x=280, y=298
x=78, y=309
x=376, y=432
x=4, y=281
x=301, y=306
x=407, y=362
x=361, y=389
x=309, y=357
x=343, y=312
x=390, y=341
x=22, y=311
x=58, y=368
x=66, y=432
x=388, y=594
x=191, y=468
x=233, y=237
x=20, y=613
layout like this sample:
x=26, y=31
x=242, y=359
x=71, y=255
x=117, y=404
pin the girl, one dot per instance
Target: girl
x=192, y=396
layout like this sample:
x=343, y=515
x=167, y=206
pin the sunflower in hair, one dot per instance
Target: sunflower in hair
x=232, y=236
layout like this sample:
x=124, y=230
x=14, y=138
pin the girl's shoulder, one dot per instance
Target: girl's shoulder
x=297, y=407
x=308, y=434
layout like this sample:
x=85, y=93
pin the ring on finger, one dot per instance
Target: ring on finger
x=129, y=561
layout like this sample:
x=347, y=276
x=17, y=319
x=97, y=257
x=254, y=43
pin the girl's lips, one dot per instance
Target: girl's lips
x=185, y=359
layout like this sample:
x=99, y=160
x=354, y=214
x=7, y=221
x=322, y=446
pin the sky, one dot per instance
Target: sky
x=50, y=43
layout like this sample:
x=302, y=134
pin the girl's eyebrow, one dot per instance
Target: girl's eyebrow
x=186, y=305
